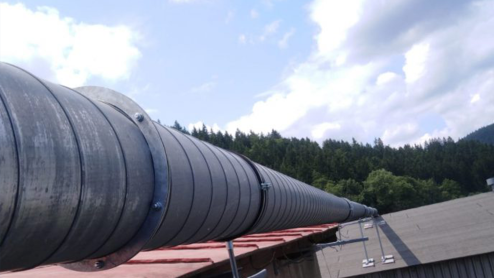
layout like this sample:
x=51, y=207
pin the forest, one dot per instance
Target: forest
x=390, y=179
x=484, y=134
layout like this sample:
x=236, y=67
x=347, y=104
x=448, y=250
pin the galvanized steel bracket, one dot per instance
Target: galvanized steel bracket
x=265, y=186
x=158, y=206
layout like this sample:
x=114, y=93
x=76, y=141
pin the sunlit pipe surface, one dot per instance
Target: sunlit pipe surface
x=77, y=181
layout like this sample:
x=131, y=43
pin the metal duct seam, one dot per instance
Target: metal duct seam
x=157, y=207
x=192, y=172
x=285, y=200
x=254, y=194
x=9, y=155
x=263, y=187
x=350, y=210
x=105, y=178
x=237, y=194
x=286, y=205
x=297, y=216
x=232, y=193
x=38, y=169
x=222, y=181
x=291, y=196
x=211, y=218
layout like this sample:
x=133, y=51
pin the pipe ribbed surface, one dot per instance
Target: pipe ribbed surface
x=214, y=193
x=83, y=181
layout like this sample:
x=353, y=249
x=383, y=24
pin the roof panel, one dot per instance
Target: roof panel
x=184, y=260
x=439, y=232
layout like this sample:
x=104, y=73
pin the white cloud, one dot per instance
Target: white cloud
x=308, y=89
x=270, y=113
x=198, y=125
x=416, y=59
x=334, y=19
x=442, y=133
x=475, y=98
x=283, y=42
x=319, y=130
x=376, y=76
x=68, y=52
x=254, y=14
x=385, y=78
x=400, y=134
x=270, y=29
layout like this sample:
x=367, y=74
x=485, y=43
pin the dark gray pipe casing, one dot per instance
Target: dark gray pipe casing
x=87, y=179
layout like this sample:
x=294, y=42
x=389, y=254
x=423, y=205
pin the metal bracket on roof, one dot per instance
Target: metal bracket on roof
x=233, y=262
x=490, y=182
x=367, y=262
x=386, y=259
x=341, y=242
x=265, y=186
x=355, y=222
x=261, y=274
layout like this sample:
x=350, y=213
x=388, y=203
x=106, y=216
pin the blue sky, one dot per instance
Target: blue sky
x=401, y=70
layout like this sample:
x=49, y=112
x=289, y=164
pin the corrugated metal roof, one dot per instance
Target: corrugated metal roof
x=454, y=229
x=185, y=260
x=479, y=266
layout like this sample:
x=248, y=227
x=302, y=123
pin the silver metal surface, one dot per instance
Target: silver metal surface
x=490, y=182
x=385, y=259
x=341, y=242
x=261, y=274
x=233, y=261
x=157, y=206
x=139, y=117
x=367, y=262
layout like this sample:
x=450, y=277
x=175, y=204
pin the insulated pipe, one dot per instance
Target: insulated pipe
x=88, y=180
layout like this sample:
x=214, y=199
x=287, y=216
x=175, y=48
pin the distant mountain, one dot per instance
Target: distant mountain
x=484, y=135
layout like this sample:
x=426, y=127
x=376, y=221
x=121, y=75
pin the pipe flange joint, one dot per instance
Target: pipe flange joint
x=157, y=210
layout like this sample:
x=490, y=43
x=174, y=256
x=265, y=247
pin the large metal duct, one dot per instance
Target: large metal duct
x=88, y=180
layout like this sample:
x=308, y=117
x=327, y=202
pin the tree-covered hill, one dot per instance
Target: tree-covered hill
x=387, y=178
x=484, y=135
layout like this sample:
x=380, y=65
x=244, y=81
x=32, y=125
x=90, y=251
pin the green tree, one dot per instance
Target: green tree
x=450, y=190
x=180, y=128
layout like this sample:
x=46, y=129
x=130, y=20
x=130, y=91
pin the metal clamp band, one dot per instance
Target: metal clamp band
x=158, y=206
x=350, y=210
x=264, y=186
